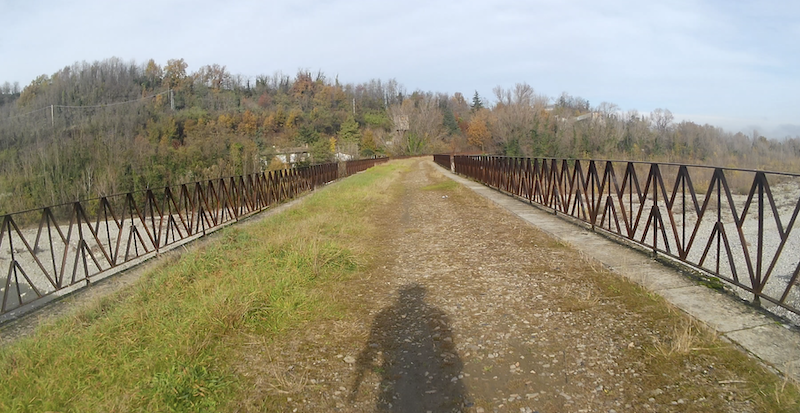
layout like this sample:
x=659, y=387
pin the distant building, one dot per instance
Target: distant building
x=342, y=157
x=289, y=156
x=592, y=116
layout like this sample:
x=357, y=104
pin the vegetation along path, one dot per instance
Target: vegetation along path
x=394, y=290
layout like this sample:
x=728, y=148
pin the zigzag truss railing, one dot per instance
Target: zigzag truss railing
x=737, y=225
x=50, y=251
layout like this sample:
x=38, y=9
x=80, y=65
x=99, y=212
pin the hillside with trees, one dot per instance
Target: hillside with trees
x=94, y=129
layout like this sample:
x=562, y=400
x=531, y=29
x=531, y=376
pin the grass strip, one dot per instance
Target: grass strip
x=161, y=344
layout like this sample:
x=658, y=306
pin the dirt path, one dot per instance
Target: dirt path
x=469, y=309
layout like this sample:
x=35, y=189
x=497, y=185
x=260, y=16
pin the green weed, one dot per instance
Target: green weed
x=448, y=185
x=187, y=388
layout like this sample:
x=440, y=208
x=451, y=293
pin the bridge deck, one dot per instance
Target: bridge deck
x=463, y=305
x=775, y=343
x=470, y=308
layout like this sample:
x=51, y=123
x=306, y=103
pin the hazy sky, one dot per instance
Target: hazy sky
x=734, y=64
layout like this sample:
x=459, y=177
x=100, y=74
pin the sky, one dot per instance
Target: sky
x=729, y=63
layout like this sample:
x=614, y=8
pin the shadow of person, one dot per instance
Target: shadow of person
x=411, y=346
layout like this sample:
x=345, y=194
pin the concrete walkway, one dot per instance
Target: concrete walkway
x=775, y=344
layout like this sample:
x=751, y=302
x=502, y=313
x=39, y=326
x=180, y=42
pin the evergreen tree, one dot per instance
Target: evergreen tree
x=476, y=102
x=349, y=132
x=449, y=121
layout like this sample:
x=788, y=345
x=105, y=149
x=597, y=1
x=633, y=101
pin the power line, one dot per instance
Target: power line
x=87, y=106
x=29, y=113
x=110, y=104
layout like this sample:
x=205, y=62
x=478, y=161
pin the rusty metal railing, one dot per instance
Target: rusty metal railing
x=442, y=160
x=734, y=224
x=53, y=250
x=353, y=167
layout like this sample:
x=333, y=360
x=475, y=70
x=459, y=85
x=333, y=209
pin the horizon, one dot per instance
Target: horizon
x=692, y=58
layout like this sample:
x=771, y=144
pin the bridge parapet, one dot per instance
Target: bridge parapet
x=735, y=225
x=51, y=251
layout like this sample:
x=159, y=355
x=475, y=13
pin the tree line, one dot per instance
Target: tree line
x=112, y=126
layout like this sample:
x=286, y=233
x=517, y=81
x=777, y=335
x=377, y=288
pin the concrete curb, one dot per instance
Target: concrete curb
x=773, y=343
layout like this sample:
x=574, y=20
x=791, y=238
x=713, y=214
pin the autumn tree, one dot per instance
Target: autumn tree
x=249, y=123
x=661, y=120
x=34, y=89
x=420, y=112
x=213, y=76
x=175, y=72
x=369, y=146
x=69, y=135
x=153, y=75
x=478, y=133
x=519, y=115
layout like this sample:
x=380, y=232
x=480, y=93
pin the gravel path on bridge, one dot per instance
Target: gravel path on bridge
x=466, y=308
